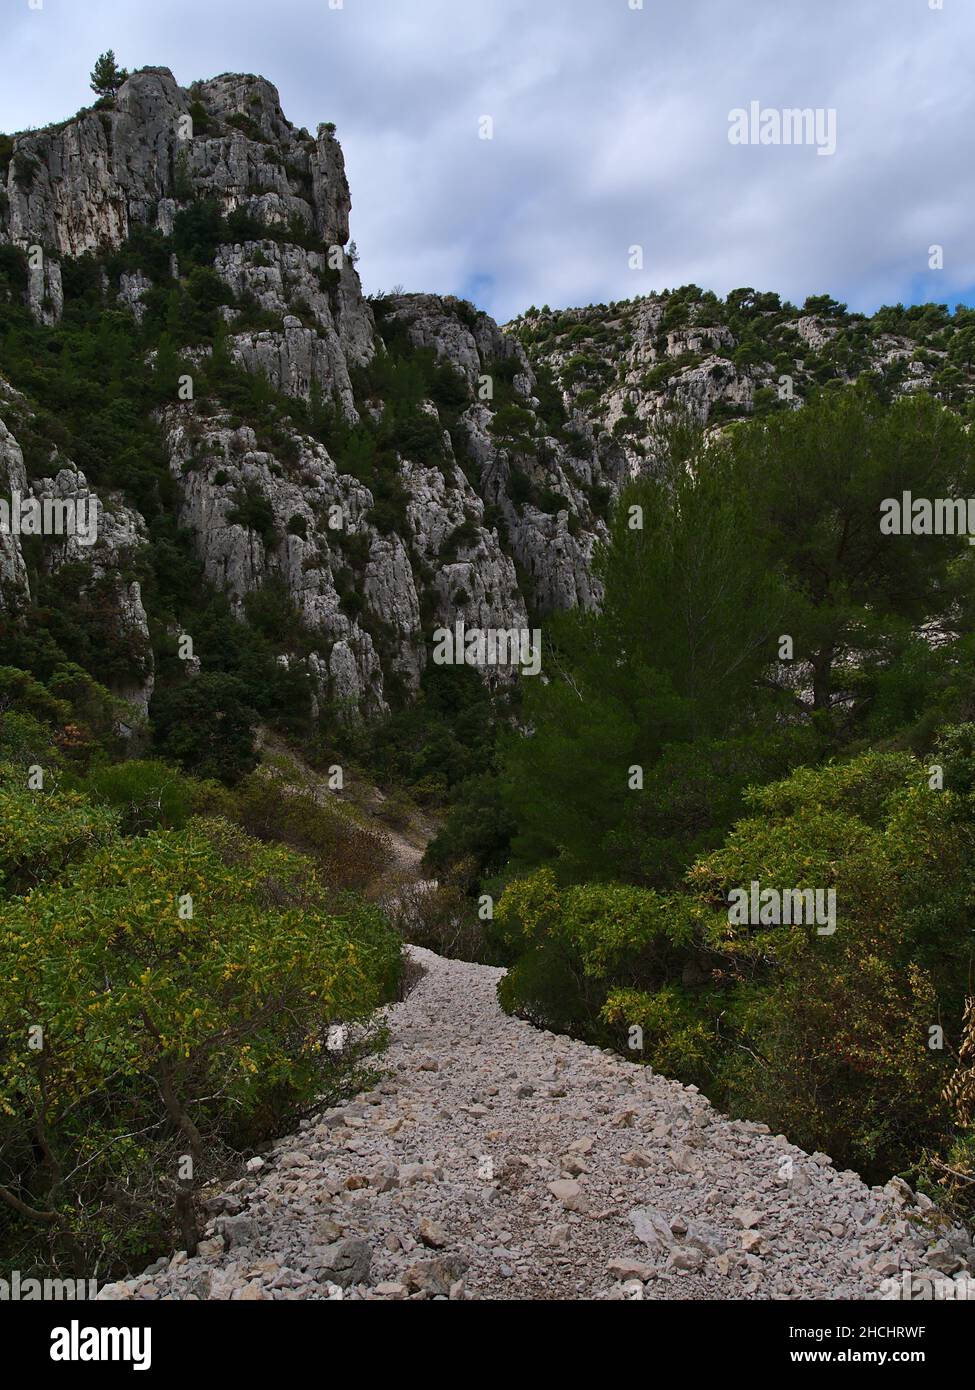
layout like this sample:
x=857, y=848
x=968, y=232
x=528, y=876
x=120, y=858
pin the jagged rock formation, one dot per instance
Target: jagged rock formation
x=483, y=499
x=83, y=185
x=105, y=559
x=14, y=582
x=621, y=365
x=500, y=524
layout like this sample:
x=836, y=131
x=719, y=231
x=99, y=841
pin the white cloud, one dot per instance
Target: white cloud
x=611, y=128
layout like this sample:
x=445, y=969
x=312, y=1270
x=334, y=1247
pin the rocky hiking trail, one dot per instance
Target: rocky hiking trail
x=497, y=1161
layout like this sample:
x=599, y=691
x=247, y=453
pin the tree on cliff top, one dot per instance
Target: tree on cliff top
x=107, y=76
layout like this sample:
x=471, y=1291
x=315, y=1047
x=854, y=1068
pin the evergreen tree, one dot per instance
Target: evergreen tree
x=106, y=76
x=819, y=477
x=688, y=623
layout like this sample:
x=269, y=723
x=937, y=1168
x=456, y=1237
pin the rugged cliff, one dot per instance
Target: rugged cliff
x=475, y=505
x=399, y=463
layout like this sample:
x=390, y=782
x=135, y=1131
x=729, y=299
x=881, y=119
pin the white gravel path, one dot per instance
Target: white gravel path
x=500, y=1162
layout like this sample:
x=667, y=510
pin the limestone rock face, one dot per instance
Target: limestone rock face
x=82, y=186
x=497, y=533
x=622, y=368
x=336, y=331
x=380, y=515
x=716, y=379
x=813, y=331
x=217, y=467
x=14, y=583
x=459, y=334
x=104, y=561
x=132, y=288
x=352, y=585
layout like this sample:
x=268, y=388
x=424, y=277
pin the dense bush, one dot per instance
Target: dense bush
x=25, y=741
x=824, y=1036
x=440, y=918
x=43, y=831
x=148, y=795
x=169, y=998
x=185, y=717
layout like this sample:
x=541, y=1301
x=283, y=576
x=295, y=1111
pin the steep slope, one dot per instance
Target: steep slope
x=620, y=365
x=382, y=467
x=393, y=468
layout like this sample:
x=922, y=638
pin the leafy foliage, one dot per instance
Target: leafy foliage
x=169, y=995
x=825, y=1037
x=107, y=76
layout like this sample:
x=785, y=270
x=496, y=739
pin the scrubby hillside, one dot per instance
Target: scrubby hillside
x=619, y=365
x=744, y=676
x=183, y=333
x=355, y=473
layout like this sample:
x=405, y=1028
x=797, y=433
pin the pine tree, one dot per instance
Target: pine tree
x=107, y=76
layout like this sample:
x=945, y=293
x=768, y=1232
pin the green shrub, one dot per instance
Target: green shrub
x=349, y=855
x=185, y=717
x=246, y=124
x=513, y=424
x=439, y=918
x=166, y=1034
x=20, y=689
x=24, y=741
x=26, y=169
x=147, y=795
x=253, y=511
x=822, y=1035
x=14, y=276
x=202, y=123
x=570, y=945
x=416, y=435
x=463, y=537
x=43, y=831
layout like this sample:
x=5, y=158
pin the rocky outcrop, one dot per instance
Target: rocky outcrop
x=14, y=582
x=357, y=591
x=335, y=330
x=97, y=536
x=82, y=186
x=541, y=422
x=496, y=533
x=622, y=367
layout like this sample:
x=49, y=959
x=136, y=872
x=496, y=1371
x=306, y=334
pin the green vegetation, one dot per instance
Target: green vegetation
x=672, y=757
x=583, y=349
x=823, y=1037
x=107, y=76
x=167, y=985
x=762, y=696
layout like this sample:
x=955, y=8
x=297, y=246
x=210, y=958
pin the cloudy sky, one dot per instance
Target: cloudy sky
x=610, y=131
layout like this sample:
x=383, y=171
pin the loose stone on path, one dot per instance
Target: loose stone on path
x=497, y=1161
